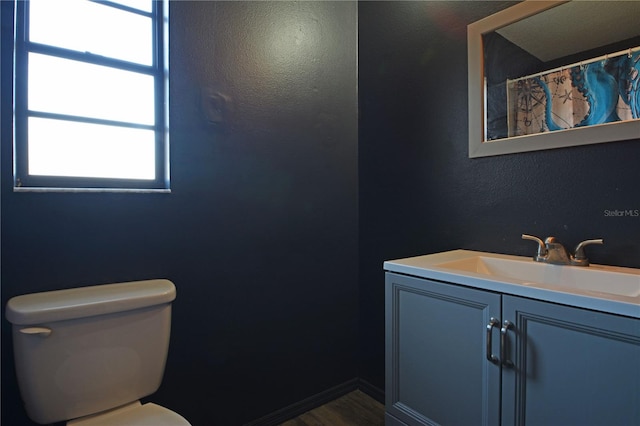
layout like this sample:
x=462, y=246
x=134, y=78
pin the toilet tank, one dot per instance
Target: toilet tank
x=85, y=350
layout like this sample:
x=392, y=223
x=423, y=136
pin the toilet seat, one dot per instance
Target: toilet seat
x=134, y=414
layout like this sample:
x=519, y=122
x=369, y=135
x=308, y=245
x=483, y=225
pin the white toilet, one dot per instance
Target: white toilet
x=87, y=355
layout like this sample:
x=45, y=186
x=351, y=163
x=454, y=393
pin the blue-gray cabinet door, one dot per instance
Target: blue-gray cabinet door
x=437, y=370
x=570, y=366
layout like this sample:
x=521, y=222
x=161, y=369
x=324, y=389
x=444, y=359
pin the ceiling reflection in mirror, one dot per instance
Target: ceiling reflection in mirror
x=571, y=66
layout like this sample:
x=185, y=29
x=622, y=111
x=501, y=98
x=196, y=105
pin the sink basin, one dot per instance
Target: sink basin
x=604, y=288
x=594, y=278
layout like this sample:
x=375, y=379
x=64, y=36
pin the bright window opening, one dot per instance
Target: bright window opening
x=90, y=95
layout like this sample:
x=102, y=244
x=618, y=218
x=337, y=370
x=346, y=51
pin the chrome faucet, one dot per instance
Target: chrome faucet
x=551, y=251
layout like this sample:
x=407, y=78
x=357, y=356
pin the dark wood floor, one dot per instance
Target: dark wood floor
x=353, y=409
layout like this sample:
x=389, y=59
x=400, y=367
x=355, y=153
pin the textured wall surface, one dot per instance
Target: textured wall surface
x=419, y=191
x=259, y=233
x=285, y=203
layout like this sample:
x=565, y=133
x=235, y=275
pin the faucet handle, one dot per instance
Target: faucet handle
x=542, y=247
x=579, y=251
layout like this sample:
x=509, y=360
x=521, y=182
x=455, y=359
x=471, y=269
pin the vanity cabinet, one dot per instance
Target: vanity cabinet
x=452, y=360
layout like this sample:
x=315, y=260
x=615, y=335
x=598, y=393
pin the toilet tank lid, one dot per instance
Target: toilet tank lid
x=59, y=305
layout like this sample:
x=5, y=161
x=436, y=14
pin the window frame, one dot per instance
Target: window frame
x=159, y=70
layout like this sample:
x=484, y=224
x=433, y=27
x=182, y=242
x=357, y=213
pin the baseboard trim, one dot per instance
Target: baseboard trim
x=294, y=410
x=371, y=390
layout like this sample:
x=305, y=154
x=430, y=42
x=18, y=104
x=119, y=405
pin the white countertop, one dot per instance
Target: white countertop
x=427, y=267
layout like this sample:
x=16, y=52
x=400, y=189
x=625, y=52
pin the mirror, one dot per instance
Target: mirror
x=514, y=53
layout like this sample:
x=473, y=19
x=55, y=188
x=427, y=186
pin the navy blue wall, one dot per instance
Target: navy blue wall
x=263, y=235
x=259, y=233
x=419, y=191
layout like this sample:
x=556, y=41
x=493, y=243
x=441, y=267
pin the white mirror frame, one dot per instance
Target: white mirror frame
x=478, y=146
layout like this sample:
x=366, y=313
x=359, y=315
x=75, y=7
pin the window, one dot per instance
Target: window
x=91, y=95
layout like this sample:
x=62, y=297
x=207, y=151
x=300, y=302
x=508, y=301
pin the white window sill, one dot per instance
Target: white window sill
x=131, y=190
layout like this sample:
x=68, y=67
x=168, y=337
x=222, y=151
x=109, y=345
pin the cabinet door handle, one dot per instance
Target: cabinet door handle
x=492, y=323
x=503, y=343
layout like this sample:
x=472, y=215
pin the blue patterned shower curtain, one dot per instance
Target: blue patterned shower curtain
x=599, y=92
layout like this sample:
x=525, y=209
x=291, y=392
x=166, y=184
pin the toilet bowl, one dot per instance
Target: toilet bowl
x=134, y=414
x=88, y=355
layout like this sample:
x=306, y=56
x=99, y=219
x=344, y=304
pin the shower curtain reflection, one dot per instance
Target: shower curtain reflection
x=602, y=90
